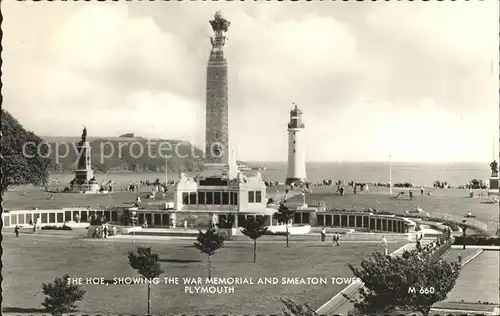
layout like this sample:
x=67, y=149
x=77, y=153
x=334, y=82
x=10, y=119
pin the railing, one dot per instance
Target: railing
x=315, y=203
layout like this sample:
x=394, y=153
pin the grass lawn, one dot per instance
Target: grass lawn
x=30, y=261
x=26, y=198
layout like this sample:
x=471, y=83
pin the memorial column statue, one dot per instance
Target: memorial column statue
x=494, y=168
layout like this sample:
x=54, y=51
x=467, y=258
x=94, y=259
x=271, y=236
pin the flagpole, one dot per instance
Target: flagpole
x=493, y=149
x=390, y=175
x=166, y=172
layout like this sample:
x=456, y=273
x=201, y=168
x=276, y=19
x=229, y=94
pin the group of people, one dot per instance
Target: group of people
x=149, y=183
x=132, y=187
x=271, y=183
x=103, y=231
x=336, y=239
x=107, y=186
x=425, y=251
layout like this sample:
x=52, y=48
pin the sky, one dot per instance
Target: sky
x=414, y=80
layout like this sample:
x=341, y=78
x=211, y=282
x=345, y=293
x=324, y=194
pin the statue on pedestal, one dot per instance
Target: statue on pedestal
x=84, y=136
x=220, y=26
x=494, y=168
x=219, y=23
x=173, y=220
x=215, y=220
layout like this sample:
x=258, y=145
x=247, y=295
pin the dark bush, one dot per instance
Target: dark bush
x=444, y=248
x=97, y=221
x=226, y=224
x=51, y=227
x=452, y=224
x=269, y=233
x=478, y=240
x=61, y=296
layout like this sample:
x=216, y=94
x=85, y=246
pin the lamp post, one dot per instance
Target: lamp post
x=464, y=228
x=134, y=218
x=384, y=243
x=390, y=175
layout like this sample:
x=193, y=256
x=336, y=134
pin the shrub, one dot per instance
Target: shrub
x=294, y=309
x=452, y=224
x=284, y=215
x=61, y=297
x=147, y=264
x=388, y=280
x=208, y=243
x=226, y=223
x=270, y=233
x=53, y=227
x=477, y=240
x=254, y=229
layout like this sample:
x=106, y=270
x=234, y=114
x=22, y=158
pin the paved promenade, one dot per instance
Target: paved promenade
x=478, y=283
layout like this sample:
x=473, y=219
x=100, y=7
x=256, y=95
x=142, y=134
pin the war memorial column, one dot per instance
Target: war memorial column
x=217, y=136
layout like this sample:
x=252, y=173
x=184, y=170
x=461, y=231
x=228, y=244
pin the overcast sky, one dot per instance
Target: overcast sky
x=417, y=80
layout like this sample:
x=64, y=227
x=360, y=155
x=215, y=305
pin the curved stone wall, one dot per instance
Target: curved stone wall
x=362, y=221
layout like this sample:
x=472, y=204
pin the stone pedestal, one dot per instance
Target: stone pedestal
x=493, y=185
x=84, y=175
x=87, y=188
x=173, y=220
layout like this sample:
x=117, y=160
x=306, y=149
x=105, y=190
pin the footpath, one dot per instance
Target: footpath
x=476, y=290
x=262, y=240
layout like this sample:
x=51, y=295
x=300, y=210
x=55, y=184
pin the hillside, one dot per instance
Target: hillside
x=124, y=154
x=24, y=156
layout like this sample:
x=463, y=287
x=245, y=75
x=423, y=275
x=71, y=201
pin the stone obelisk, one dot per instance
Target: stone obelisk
x=84, y=172
x=84, y=180
x=217, y=162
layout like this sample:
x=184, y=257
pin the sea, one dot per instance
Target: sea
x=421, y=174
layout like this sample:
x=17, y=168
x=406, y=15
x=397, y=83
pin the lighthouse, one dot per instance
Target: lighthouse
x=296, y=170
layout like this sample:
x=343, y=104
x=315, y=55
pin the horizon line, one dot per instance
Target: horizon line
x=371, y=161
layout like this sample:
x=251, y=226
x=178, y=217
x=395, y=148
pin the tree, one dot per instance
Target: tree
x=390, y=282
x=464, y=226
x=60, y=296
x=24, y=155
x=254, y=229
x=147, y=264
x=209, y=242
x=441, y=278
x=293, y=309
x=284, y=215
